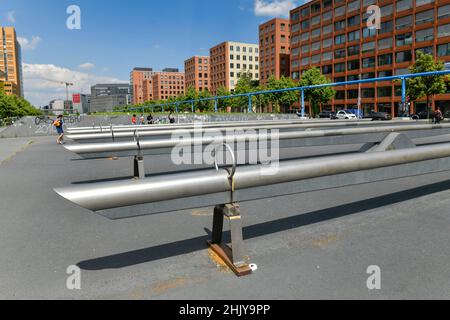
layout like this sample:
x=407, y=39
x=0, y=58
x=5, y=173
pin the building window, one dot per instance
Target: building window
x=353, y=65
x=353, y=50
x=385, y=59
x=368, y=75
x=315, y=58
x=385, y=43
x=340, y=53
x=327, y=16
x=404, y=39
x=384, y=92
x=305, y=24
x=305, y=48
x=352, y=6
x=425, y=35
x=315, y=46
x=315, y=33
x=315, y=20
x=295, y=52
x=369, y=32
x=403, y=5
x=386, y=27
x=340, y=25
x=295, y=27
x=352, y=94
x=339, y=79
x=444, y=12
x=368, y=62
x=327, y=56
x=304, y=36
x=339, y=39
x=443, y=50
x=327, y=43
x=305, y=12
x=444, y=30
x=424, y=17
x=404, y=22
x=327, y=29
x=404, y=56
x=340, y=95
x=353, y=36
x=305, y=61
x=387, y=10
x=426, y=50
x=339, y=67
x=422, y=2
x=368, y=47
x=384, y=74
x=339, y=11
x=353, y=21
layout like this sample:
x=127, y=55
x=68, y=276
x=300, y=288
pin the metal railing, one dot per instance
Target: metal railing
x=301, y=90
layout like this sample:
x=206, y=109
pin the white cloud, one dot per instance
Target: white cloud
x=39, y=89
x=11, y=16
x=27, y=44
x=273, y=8
x=86, y=65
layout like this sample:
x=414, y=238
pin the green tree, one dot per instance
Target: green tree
x=205, y=106
x=282, y=99
x=222, y=104
x=317, y=96
x=420, y=87
x=14, y=106
x=244, y=85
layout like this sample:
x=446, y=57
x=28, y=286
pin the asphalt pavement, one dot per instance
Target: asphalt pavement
x=315, y=245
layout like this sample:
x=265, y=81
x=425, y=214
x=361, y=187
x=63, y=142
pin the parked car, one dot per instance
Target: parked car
x=384, y=116
x=422, y=115
x=327, y=115
x=345, y=115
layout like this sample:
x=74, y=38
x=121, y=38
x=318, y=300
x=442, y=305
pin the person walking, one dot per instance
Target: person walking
x=438, y=117
x=171, y=117
x=59, y=125
x=150, y=119
x=134, y=119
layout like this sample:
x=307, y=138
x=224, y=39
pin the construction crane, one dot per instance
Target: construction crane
x=67, y=84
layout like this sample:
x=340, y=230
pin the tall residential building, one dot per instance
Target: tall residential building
x=274, y=49
x=168, y=83
x=229, y=60
x=10, y=62
x=141, y=85
x=105, y=97
x=334, y=35
x=197, y=73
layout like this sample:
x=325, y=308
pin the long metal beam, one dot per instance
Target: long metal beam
x=115, y=149
x=124, y=128
x=114, y=136
x=118, y=194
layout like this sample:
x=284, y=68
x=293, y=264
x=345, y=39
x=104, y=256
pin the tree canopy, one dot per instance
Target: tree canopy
x=421, y=87
x=12, y=106
x=317, y=96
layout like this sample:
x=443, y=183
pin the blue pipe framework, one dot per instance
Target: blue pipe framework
x=302, y=90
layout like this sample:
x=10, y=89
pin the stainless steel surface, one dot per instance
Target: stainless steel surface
x=170, y=143
x=109, y=195
x=126, y=128
x=129, y=133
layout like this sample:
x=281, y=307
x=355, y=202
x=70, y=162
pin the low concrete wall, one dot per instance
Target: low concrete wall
x=27, y=127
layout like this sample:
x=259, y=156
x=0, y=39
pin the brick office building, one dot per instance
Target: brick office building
x=168, y=83
x=229, y=60
x=10, y=62
x=333, y=35
x=274, y=49
x=197, y=71
x=141, y=85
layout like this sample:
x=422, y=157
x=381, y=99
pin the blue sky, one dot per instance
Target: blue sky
x=118, y=35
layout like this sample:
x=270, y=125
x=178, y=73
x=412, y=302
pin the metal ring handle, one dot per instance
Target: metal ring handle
x=137, y=139
x=233, y=158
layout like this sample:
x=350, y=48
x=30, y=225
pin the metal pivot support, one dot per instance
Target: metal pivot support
x=234, y=256
x=139, y=166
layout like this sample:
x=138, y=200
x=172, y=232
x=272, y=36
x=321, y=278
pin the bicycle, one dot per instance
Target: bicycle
x=45, y=119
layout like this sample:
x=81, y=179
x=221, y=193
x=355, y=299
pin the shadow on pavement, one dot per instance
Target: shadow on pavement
x=199, y=243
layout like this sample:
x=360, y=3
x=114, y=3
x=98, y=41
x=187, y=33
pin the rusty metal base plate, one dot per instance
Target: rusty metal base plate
x=224, y=253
